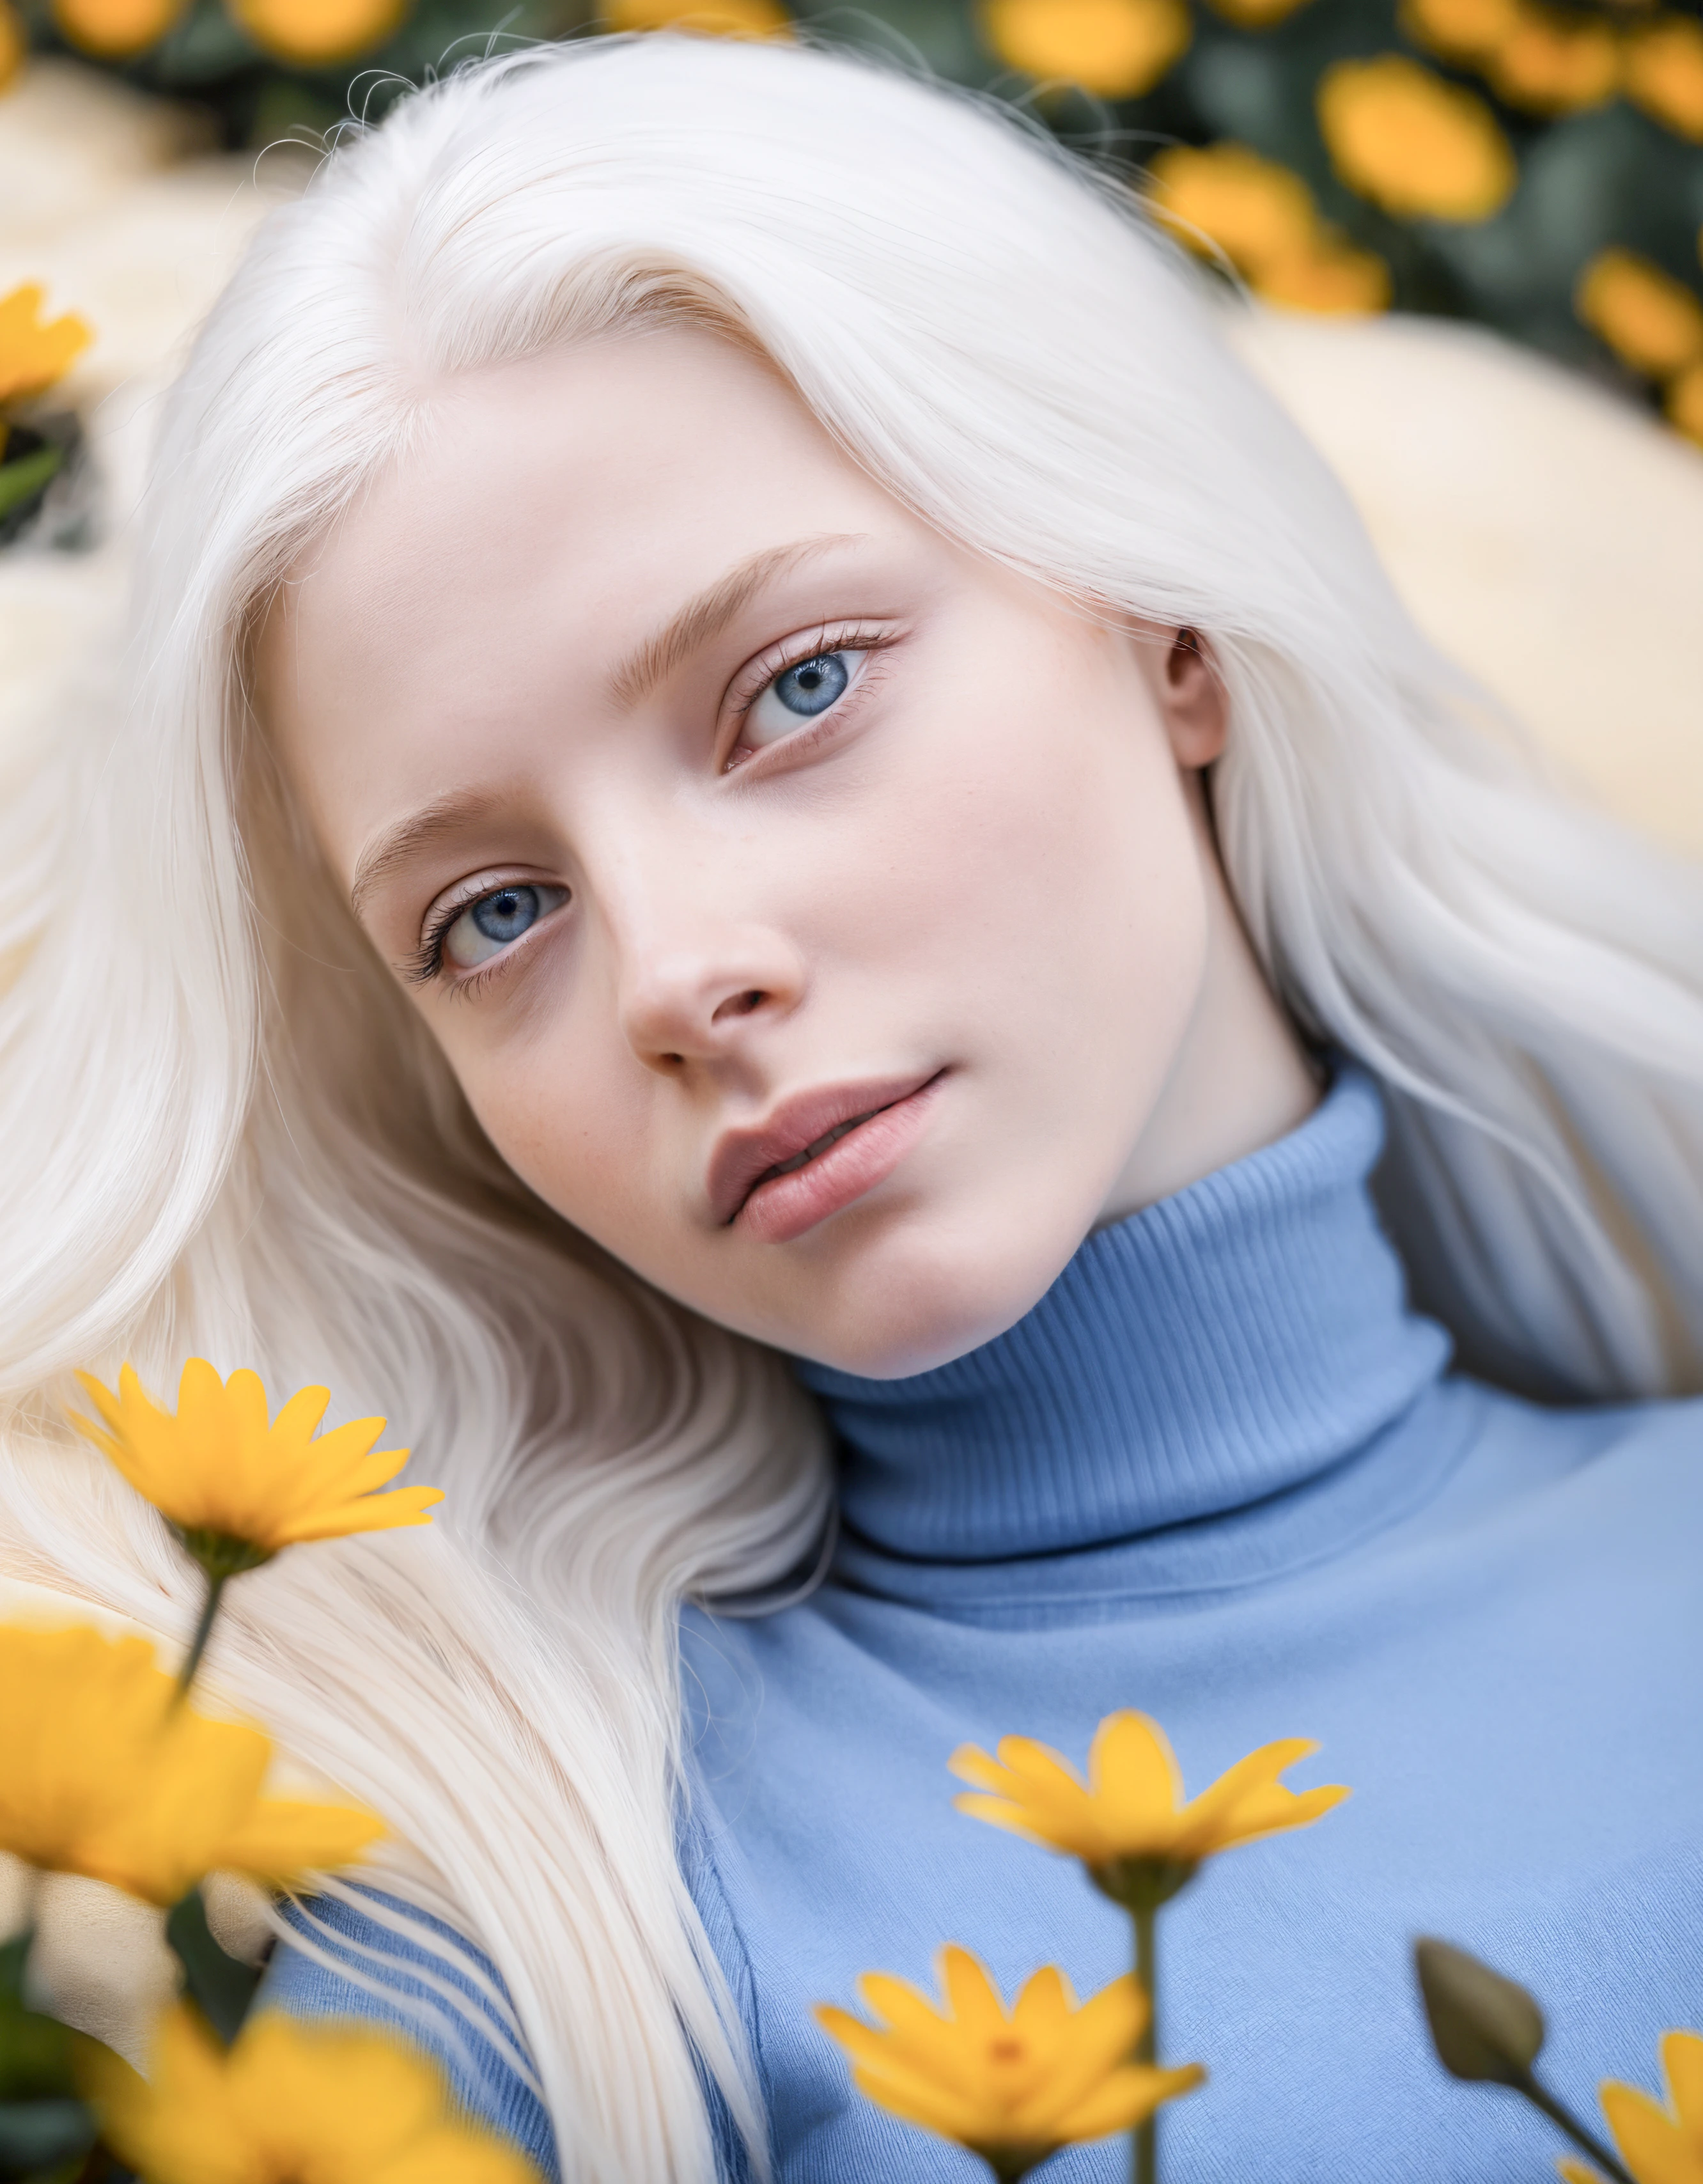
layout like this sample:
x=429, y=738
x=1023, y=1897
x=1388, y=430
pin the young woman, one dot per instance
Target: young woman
x=768, y=807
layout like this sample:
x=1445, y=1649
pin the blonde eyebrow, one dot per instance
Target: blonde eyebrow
x=389, y=851
x=708, y=613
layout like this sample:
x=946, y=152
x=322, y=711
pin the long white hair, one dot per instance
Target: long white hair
x=222, y=1131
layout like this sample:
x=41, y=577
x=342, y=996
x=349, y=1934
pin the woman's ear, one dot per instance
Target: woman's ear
x=1191, y=700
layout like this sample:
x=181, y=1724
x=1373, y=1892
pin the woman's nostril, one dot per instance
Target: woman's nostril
x=741, y=1005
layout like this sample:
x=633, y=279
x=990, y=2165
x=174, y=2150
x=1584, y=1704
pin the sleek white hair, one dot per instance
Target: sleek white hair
x=223, y=1130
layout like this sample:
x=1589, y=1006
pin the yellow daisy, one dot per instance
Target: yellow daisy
x=1646, y=316
x=1660, y=2143
x=1128, y=1823
x=116, y=30
x=1113, y=48
x=13, y=45
x=1263, y=217
x=1664, y=73
x=315, y=33
x=1549, y=63
x=1258, y=212
x=105, y=1774
x=1258, y=14
x=239, y=1489
x=1012, y=2088
x=708, y=19
x=1333, y=279
x=1685, y=403
x=1418, y=146
x=1459, y=29
x=34, y=351
x=289, y=2102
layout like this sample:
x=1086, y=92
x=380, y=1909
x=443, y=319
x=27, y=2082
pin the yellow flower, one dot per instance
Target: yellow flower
x=1685, y=403
x=1333, y=279
x=710, y=19
x=1412, y=143
x=317, y=33
x=1113, y=48
x=1263, y=217
x=116, y=30
x=1014, y=2088
x=289, y=2103
x=1664, y=73
x=1549, y=65
x=1257, y=15
x=1256, y=212
x=13, y=45
x=1652, y=320
x=34, y=351
x=229, y=1481
x=106, y=1775
x=1128, y=1823
x=1459, y=29
x=1659, y=2145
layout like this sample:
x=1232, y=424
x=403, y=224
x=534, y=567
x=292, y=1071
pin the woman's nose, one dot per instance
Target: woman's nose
x=695, y=996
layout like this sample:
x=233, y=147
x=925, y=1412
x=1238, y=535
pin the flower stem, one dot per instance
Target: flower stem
x=216, y=1582
x=1541, y=2098
x=1145, y=2169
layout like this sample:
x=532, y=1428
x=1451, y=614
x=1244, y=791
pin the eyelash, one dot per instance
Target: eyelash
x=425, y=967
x=770, y=665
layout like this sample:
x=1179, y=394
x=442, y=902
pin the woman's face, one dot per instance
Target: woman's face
x=816, y=914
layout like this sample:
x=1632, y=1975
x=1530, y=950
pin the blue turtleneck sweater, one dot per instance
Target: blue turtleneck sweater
x=1219, y=1474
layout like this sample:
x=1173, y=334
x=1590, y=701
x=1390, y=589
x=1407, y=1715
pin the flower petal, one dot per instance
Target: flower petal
x=975, y=2000
x=970, y=1764
x=1247, y=1801
x=1651, y=2144
x=1045, y=2004
x=281, y=1839
x=1125, y=2098
x=300, y=1414
x=916, y=2100
x=370, y=1513
x=1132, y=1769
x=1100, y=2039
x=1682, y=2065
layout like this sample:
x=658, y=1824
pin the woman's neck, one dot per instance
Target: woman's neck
x=1241, y=1078
x=1237, y=1340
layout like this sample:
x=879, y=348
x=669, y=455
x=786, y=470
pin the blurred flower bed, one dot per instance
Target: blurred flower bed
x=1538, y=168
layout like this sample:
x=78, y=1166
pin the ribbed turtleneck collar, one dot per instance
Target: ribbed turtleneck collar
x=1213, y=1352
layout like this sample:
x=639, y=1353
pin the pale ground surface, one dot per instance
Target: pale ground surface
x=1548, y=536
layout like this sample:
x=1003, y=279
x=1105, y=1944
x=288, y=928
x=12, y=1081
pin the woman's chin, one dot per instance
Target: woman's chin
x=907, y=1311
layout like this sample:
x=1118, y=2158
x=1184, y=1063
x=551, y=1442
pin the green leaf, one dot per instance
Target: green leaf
x=35, y=2051
x=21, y=480
x=220, y=1985
x=39, y=2135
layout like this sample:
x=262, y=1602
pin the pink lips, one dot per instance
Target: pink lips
x=869, y=1128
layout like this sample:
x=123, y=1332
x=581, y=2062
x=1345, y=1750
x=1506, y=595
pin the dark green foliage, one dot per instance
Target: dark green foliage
x=1608, y=175
x=220, y=1987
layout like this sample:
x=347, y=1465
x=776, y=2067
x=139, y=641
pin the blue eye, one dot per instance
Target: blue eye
x=490, y=925
x=812, y=686
x=799, y=693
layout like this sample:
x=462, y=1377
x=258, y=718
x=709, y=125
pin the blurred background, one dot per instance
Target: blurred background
x=1459, y=238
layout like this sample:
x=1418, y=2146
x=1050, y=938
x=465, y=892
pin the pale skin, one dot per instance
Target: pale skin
x=703, y=796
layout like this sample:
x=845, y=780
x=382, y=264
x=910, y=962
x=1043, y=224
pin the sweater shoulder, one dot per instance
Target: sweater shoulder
x=372, y=1956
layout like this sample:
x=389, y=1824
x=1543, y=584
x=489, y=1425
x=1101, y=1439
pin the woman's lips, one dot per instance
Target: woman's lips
x=863, y=1152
